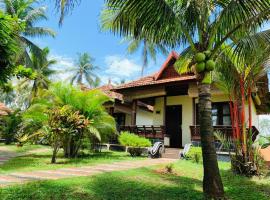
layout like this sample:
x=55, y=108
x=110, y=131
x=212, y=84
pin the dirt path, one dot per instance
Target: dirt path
x=22, y=177
x=6, y=154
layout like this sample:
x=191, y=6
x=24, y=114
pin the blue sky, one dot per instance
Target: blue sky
x=80, y=32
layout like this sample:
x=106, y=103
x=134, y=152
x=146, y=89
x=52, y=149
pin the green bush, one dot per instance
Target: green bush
x=134, y=143
x=195, y=154
x=132, y=140
x=9, y=126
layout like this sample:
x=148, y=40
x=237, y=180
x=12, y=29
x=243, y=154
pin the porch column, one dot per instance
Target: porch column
x=111, y=111
x=164, y=110
x=133, y=112
x=194, y=111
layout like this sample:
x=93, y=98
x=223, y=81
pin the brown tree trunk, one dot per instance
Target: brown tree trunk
x=243, y=119
x=212, y=183
x=249, y=109
x=55, y=150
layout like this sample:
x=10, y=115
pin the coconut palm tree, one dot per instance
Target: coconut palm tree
x=239, y=79
x=148, y=49
x=84, y=70
x=64, y=6
x=203, y=27
x=41, y=66
x=25, y=11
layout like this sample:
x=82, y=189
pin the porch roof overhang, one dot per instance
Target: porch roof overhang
x=4, y=110
x=150, y=81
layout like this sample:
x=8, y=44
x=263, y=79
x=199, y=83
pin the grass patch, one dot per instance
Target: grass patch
x=40, y=160
x=141, y=184
x=23, y=149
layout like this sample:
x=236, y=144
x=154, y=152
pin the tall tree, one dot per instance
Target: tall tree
x=149, y=49
x=25, y=11
x=203, y=26
x=42, y=68
x=9, y=46
x=240, y=79
x=84, y=70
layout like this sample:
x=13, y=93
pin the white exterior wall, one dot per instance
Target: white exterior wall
x=128, y=120
x=158, y=107
x=144, y=117
x=255, y=117
x=187, y=113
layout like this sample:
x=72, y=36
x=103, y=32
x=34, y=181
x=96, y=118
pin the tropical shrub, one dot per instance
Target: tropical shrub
x=256, y=167
x=65, y=116
x=67, y=130
x=9, y=126
x=134, y=143
x=266, y=142
x=132, y=140
x=195, y=154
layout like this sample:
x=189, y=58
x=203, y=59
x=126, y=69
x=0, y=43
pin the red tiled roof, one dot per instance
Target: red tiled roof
x=172, y=55
x=150, y=80
x=4, y=110
x=108, y=90
x=166, y=74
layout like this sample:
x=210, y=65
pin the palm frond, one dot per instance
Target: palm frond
x=129, y=19
x=248, y=15
x=185, y=61
x=65, y=6
x=94, y=131
x=36, y=15
x=39, y=31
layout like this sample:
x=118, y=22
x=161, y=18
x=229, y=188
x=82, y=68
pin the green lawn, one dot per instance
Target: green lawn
x=23, y=149
x=140, y=184
x=40, y=160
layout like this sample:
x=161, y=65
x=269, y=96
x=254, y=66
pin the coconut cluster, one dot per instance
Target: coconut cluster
x=204, y=63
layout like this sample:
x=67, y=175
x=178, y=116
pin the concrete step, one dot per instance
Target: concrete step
x=172, y=153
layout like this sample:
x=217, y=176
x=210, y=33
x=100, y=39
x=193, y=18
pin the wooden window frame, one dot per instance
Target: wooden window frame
x=219, y=115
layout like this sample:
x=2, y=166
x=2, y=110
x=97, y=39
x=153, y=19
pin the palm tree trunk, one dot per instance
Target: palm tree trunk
x=243, y=119
x=249, y=109
x=212, y=183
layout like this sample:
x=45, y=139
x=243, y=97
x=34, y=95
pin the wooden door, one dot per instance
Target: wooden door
x=174, y=125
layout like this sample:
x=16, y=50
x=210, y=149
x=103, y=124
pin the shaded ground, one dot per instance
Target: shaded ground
x=144, y=183
x=8, y=152
x=39, y=159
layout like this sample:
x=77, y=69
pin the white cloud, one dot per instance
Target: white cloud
x=63, y=62
x=116, y=69
x=63, y=65
x=121, y=68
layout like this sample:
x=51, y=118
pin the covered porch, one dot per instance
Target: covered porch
x=159, y=132
x=164, y=106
